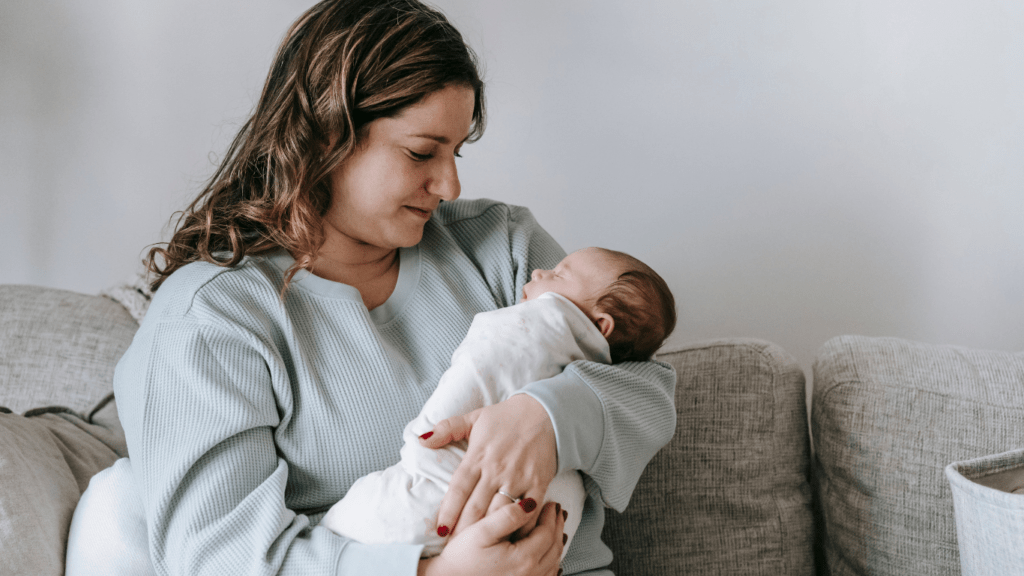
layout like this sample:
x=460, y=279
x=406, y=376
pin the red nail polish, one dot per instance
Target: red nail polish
x=559, y=572
x=565, y=538
x=565, y=515
x=427, y=435
x=442, y=531
x=528, y=504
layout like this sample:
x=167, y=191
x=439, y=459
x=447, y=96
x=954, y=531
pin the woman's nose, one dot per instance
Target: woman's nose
x=445, y=182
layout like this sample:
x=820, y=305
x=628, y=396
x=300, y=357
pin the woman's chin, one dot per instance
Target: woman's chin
x=408, y=239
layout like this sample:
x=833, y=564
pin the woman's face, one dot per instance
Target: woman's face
x=385, y=191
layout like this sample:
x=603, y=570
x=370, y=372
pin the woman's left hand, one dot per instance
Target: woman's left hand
x=511, y=449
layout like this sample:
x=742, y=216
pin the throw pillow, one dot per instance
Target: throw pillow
x=729, y=494
x=888, y=416
x=47, y=457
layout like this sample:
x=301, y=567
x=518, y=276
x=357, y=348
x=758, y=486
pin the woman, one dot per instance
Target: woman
x=309, y=301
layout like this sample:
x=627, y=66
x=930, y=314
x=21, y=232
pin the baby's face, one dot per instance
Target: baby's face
x=581, y=277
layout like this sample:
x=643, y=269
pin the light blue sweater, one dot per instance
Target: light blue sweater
x=247, y=417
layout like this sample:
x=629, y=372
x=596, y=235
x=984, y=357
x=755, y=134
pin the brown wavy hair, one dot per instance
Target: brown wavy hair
x=342, y=65
x=643, y=308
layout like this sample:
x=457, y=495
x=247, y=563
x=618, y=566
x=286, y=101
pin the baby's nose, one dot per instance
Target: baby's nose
x=535, y=275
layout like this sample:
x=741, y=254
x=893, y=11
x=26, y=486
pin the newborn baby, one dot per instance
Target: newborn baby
x=596, y=304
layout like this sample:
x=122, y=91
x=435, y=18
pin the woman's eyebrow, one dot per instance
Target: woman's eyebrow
x=436, y=137
x=441, y=139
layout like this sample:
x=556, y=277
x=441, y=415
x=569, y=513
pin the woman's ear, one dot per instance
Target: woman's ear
x=605, y=323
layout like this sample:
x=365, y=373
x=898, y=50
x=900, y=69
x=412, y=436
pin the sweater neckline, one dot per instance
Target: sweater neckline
x=409, y=264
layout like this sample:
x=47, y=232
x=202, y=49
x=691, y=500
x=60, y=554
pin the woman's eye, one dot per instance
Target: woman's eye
x=420, y=157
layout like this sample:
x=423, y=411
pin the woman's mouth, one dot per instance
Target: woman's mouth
x=425, y=214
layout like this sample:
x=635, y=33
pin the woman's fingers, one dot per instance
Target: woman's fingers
x=545, y=542
x=497, y=502
x=529, y=526
x=450, y=430
x=498, y=526
x=464, y=482
x=511, y=449
x=484, y=547
x=477, y=504
x=465, y=477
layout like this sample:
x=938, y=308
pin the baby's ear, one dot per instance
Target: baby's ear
x=605, y=323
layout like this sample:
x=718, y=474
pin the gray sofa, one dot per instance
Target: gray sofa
x=737, y=491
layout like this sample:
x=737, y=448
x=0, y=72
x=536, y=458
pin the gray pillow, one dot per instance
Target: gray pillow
x=59, y=347
x=47, y=457
x=888, y=416
x=729, y=494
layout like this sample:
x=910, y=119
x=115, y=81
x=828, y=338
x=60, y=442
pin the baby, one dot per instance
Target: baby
x=596, y=304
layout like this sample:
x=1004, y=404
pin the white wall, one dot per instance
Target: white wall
x=796, y=170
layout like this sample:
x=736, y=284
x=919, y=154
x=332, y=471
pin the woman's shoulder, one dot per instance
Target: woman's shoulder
x=483, y=222
x=197, y=287
x=478, y=210
x=479, y=226
x=502, y=242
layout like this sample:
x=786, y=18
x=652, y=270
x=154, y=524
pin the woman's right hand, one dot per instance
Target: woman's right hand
x=485, y=549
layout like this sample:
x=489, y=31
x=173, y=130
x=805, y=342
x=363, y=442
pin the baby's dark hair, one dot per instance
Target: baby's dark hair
x=642, y=307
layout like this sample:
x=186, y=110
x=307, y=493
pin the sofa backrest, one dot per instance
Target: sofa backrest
x=59, y=347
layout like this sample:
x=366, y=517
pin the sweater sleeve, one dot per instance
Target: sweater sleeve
x=200, y=411
x=609, y=420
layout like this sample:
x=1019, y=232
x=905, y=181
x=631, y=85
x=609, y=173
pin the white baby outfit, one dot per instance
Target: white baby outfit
x=504, y=350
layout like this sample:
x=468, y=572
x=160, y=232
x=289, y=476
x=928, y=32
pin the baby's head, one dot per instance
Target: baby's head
x=629, y=303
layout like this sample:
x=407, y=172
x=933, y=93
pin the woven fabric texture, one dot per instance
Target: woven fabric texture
x=134, y=295
x=888, y=415
x=729, y=494
x=989, y=515
x=47, y=458
x=58, y=347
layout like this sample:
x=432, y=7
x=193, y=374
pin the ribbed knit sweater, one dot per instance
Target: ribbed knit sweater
x=248, y=416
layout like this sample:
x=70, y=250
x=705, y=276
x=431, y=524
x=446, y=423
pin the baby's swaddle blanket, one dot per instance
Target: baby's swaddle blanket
x=503, y=351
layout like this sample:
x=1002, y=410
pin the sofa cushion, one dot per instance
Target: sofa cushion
x=47, y=458
x=888, y=415
x=59, y=347
x=729, y=494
